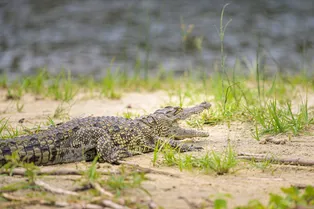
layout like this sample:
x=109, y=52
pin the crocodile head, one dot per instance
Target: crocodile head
x=164, y=122
x=177, y=113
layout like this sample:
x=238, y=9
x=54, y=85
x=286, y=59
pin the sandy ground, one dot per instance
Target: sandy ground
x=244, y=183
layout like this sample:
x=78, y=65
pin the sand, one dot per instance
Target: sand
x=244, y=183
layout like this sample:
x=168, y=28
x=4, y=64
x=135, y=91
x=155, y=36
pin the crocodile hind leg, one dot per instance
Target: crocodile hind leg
x=81, y=145
x=109, y=152
x=94, y=138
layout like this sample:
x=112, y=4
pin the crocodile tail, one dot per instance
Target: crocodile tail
x=19, y=149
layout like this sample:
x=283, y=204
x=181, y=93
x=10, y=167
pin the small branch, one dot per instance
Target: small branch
x=251, y=154
x=285, y=161
x=21, y=200
x=85, y=206
x=301, y=186
x=191, y=204
x=14, y=198
x=148, y=170
x=54, y=189
x=108, y=203
x=101, y=190
x=49, y=171
x=152, y=205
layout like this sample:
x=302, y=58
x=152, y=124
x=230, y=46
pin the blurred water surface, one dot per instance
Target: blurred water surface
x=85, y=36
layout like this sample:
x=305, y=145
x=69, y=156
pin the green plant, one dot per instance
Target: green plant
x=156, y=152
x=222, y=30
x=292, y=198
x=14, y=161
x=109, y=84
x=220, y=201
x=3, y=81
x=62, y=87
x=14, y=93
x=50, y=122
x=125, y=180
x=19, y=107
x=12, y=132
x=62, y=112
x=91, y=175
x=275, y=118
x=17, y=186
x=263, y=165
x=221, y=163
x=129, y=114
x=3, y=125
x=36, y=83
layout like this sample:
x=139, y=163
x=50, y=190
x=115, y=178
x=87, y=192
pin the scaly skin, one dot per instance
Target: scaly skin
x=111, y=138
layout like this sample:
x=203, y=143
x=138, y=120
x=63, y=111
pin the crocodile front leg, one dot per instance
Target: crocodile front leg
x=181, y=133
x=182, y=147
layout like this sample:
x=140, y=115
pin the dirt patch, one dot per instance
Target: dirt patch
x=244, y=183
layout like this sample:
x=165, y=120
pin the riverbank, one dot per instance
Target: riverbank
x=270, y=118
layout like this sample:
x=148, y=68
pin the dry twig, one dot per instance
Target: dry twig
x=301, y=186
x=21, y=200
x=101, y=190
x=50, y=171
x=191, y=204
x=285, y=161
x=109, y=203
x=54, y=189
x=33, y=201
x=148, y=170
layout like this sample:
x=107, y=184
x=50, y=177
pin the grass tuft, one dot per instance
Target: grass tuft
x=220, y=163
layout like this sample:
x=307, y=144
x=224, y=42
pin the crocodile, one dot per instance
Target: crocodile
x=108, y=137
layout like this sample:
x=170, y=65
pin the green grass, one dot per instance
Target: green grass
x=62, y=87
x=217, y=162
x=262, y=102
x=8, y=130
x=91, y=174
x=19, y=106
x=31, y=170
x=274, y=118
x=116, y=183
x=221, y=163
x=62, y=112
x=14, y=93
x=129, y=114
x=291, y=198
x=3, y=125
x=124, y=181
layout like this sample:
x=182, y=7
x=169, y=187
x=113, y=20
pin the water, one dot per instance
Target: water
x=88, y=36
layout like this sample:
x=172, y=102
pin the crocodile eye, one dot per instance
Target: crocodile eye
x=178, y=110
